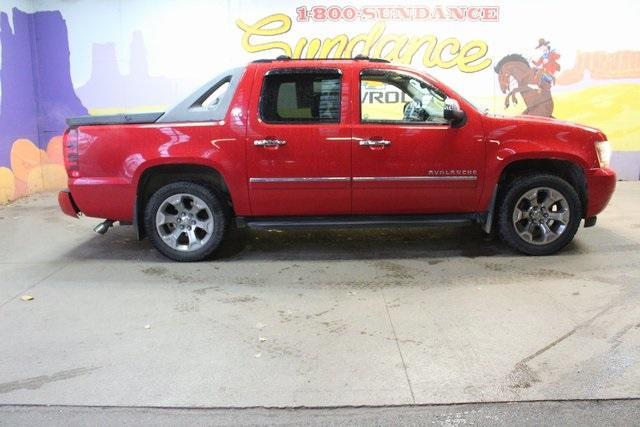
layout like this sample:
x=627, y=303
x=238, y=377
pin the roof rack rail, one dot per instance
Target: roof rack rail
x=288, y=58
x=361, y=57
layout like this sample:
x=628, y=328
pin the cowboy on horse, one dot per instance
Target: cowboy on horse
x=517, y=76
x=547, y=63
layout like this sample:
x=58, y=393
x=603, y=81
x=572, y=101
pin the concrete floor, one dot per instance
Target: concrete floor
x=608, y=413
x=315, y=318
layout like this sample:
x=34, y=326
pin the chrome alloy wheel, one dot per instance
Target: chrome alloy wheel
x=184, y=222
x=541, y=215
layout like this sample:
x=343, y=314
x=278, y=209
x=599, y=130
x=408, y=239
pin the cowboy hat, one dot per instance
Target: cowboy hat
x=542, y=42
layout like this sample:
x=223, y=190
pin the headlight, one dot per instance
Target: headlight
x=603, y=148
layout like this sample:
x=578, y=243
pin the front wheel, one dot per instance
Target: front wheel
x=540, y=214
x=185, y=221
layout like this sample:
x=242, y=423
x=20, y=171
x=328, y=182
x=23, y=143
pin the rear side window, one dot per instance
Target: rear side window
x=217, y=94
x=296, y=96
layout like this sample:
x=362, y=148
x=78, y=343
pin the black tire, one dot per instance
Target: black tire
x=517, y=189
x=212, y=202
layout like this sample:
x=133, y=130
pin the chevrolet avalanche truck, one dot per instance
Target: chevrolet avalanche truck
x=333, y=143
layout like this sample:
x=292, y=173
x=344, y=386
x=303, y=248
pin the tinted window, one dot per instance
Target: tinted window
x=301, y=97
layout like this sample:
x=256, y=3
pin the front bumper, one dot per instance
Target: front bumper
x=67, y=205
x=601, y=182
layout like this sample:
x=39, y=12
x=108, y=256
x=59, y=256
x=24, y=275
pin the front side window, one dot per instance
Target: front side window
x=392, y=97
x=301, y=97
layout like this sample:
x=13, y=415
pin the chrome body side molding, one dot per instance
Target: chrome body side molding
x=301, y=179
x=363, y=179
x=416, y=178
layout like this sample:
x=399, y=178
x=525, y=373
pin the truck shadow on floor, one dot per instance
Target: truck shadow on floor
x=120, y=243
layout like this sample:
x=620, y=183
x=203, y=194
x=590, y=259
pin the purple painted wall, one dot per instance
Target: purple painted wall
x=18, y=100
x=56, y=99
x=37, y=94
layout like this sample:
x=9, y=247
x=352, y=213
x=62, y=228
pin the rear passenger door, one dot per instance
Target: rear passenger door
x=298, y=150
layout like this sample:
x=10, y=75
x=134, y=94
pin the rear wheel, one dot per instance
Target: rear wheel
x=540, y=214
x=185, y=221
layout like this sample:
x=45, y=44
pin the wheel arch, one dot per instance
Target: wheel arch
x=156, y=176
x=569, y=170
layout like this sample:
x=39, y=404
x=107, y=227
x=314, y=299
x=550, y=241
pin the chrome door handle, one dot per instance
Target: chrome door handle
x=374, y=142
x=269, y=142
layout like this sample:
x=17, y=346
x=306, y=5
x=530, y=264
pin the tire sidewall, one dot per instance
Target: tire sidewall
x=208, y=197
x=518, y=188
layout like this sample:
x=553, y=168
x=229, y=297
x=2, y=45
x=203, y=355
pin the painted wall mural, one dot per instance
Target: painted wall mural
x=133, y=90
x=34, y=105
x=61, y=58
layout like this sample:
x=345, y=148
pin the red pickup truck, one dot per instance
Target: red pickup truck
x=335, y=143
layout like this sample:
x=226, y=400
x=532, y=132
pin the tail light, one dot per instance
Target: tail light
x=70, y=144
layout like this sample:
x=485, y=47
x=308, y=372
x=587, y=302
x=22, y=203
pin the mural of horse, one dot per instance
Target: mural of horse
x=515, y=75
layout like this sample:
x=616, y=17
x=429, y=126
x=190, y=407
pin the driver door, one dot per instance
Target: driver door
x=406, y=158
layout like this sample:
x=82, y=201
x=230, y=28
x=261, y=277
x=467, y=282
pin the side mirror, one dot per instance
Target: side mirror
x=454, y=114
